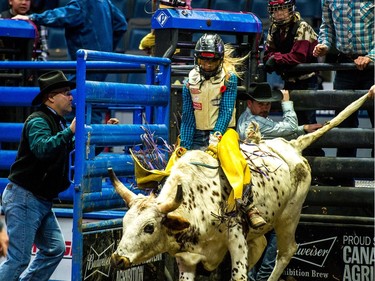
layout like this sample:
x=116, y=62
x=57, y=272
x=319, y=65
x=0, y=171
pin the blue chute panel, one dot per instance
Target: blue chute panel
x=16, y=28
x=218, y=21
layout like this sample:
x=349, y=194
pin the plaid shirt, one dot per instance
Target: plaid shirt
x=348, y=25
x=227, y=106
x=43, y=44
x=40, y=51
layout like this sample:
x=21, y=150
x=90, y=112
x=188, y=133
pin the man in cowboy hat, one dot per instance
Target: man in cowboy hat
x=38, y=175
x=259, y=99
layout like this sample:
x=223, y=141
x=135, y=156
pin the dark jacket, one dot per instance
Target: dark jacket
x=42, y=162
x=295, y=48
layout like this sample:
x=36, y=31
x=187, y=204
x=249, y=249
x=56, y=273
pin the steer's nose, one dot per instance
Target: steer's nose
x=120, y=261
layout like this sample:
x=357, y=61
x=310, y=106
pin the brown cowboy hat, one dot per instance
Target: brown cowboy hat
x=51, y=81
x=262, y=92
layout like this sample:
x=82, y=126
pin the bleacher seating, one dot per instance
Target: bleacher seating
x=200, y=4
x=135, y=78
x=259, y=8
x=228, y=5
x=309, y=9
x=123, y=6
x=137, y=29
x=140, y=8
x=4, y=5
x=57, y=44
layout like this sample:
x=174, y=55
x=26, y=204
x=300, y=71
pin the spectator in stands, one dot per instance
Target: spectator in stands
x=93, y=25
x=354, y=40
x=38, y=174
x=208, y=114
x=4, y=240
x=259, y=100
x=290, y=41
x=22, y=7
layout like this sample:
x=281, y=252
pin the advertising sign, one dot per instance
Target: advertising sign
x=97, y=251
x=329, y=252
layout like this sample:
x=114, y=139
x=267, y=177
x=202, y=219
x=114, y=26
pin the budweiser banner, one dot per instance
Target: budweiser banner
x=329, y=252
x=97, y=251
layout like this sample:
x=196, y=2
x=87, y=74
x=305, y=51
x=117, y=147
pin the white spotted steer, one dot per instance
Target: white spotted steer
x=187, y=219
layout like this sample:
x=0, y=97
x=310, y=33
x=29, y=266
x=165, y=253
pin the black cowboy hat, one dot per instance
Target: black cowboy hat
x=51, y=81
x=262, y=92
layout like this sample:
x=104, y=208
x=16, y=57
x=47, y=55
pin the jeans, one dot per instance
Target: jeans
x=201, y=139
x=306, y=116
x=263, y=269
x=353, y=80
x=30, y=221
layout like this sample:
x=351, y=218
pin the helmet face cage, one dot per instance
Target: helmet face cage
x=276, y=5
x=209, y=47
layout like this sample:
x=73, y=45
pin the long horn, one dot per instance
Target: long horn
x=121, y=189
x=306, y=140
x=172, y=205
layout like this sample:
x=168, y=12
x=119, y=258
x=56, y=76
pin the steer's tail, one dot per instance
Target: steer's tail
x=306, y=140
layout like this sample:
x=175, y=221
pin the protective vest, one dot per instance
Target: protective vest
x=285, y=46
x=206, y=97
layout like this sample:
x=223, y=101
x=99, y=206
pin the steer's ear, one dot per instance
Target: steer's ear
x=175, y=222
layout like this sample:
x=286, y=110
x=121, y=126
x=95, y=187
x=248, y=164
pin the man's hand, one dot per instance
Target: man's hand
x=73, y=126
x=20, y=17
x=113, y=121
x=270, y=64
x=362, y=62
x=286, y=96
x=320, y=50
x=4, y=242
x=309, y=128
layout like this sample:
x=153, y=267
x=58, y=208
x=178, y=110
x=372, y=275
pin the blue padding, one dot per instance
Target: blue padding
x=127, y=134
x=129, y=94
x=10, y=132
x=7, y=158
x=121, y=163
x=206, y=20
x=17, y=96
x=111, y=214
x=16, y=28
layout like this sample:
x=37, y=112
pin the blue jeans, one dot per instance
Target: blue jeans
x=353, y=80
x=201, y=139
x=30, y=220
x=263, y=269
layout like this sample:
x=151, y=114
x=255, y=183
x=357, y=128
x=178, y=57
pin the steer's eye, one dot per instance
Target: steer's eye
x=149, y=228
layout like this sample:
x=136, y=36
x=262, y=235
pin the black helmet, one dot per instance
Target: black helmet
x=209, y=46
x=275, y=5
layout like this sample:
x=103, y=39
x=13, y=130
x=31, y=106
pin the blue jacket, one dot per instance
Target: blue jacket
x=89, y=24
